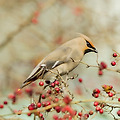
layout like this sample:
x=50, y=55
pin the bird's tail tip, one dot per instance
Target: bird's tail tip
x=25, y=84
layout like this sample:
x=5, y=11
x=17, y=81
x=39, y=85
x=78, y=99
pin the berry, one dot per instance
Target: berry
x=36, y=13
x=110, y=94
x=113, y=63
x=48, y=103
x=30, y=107
x=39, y=105
x=56, y=82
x=41, y=115
x=101, y=111
x=55, y=117
x=34, y=20
x=43, y=96
x=114, y=54
x=96, y=95
x=57, y=89
x=119, y=99
x=80, y=114
x=118, y=112
x=96, y=91
x=29, y=91
x=100, y=72
x=41, y=83
x=52, y=84
x=58, y=109
x=96, y=103
x=5, y=102
x=91, y=112
x=56, y=100
x=103, y=65
x=86, y=116
x=97, y=108
x=67, y=100
x=29, y=114
x=80, y=80
x=49, y=91
x=44, y=104
x=1, y=106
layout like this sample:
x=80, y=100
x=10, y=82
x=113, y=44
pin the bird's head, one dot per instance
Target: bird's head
x=89, y=47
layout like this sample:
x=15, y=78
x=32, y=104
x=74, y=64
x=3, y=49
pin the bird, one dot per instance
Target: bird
x=62, y=60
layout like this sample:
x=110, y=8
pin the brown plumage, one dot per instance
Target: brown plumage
x=62, y=60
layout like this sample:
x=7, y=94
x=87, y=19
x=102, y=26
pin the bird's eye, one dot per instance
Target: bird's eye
x=89, y=45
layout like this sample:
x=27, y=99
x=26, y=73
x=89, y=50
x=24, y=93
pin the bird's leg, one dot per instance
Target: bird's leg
x=39, y=100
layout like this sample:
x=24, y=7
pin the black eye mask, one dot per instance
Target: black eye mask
x=89, y=45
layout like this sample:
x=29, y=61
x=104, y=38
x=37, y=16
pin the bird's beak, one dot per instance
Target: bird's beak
x=95, y=50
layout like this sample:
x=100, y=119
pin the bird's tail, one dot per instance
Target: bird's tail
x=34, y=76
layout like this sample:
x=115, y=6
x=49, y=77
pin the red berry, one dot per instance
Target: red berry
x=56, y=100
x=96, y=95
x=113, y=63
x=57, y=89
x=41, y=83
x=119, y=99
x=103, y=65
x=43, y=96
x=58, y=109
x=55, y=117
x=118, y=112
x=48, y=103
x=100, y=72
x=30, y=107
x=34, y=20
x=91, y=112
x=97, y=108
x=36, y=13
x=96, y=91
x=29, y=91
x=44, y=104
x=111, y=86
x=1, y=106
x=101, y=111
x=96, y=103
x=56, y=82
x=49, y=91
x=67, y=100
x=5, y=102
x=80, y=114
x=110, y=94
x=114, y=54
x=39, y=105
x=52, y=84
x=11, y=96
x=86, y=116
x=41, y=115
x=29, y=114
x=80, y=80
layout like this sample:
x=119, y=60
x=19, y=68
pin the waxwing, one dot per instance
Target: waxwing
x=62, y=60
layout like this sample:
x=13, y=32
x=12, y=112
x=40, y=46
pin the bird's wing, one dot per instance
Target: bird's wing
x=54, y=59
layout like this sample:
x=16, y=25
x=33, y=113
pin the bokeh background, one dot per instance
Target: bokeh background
x=30, y=29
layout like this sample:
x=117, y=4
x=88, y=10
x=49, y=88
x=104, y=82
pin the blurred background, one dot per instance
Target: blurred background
x=30, y=29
